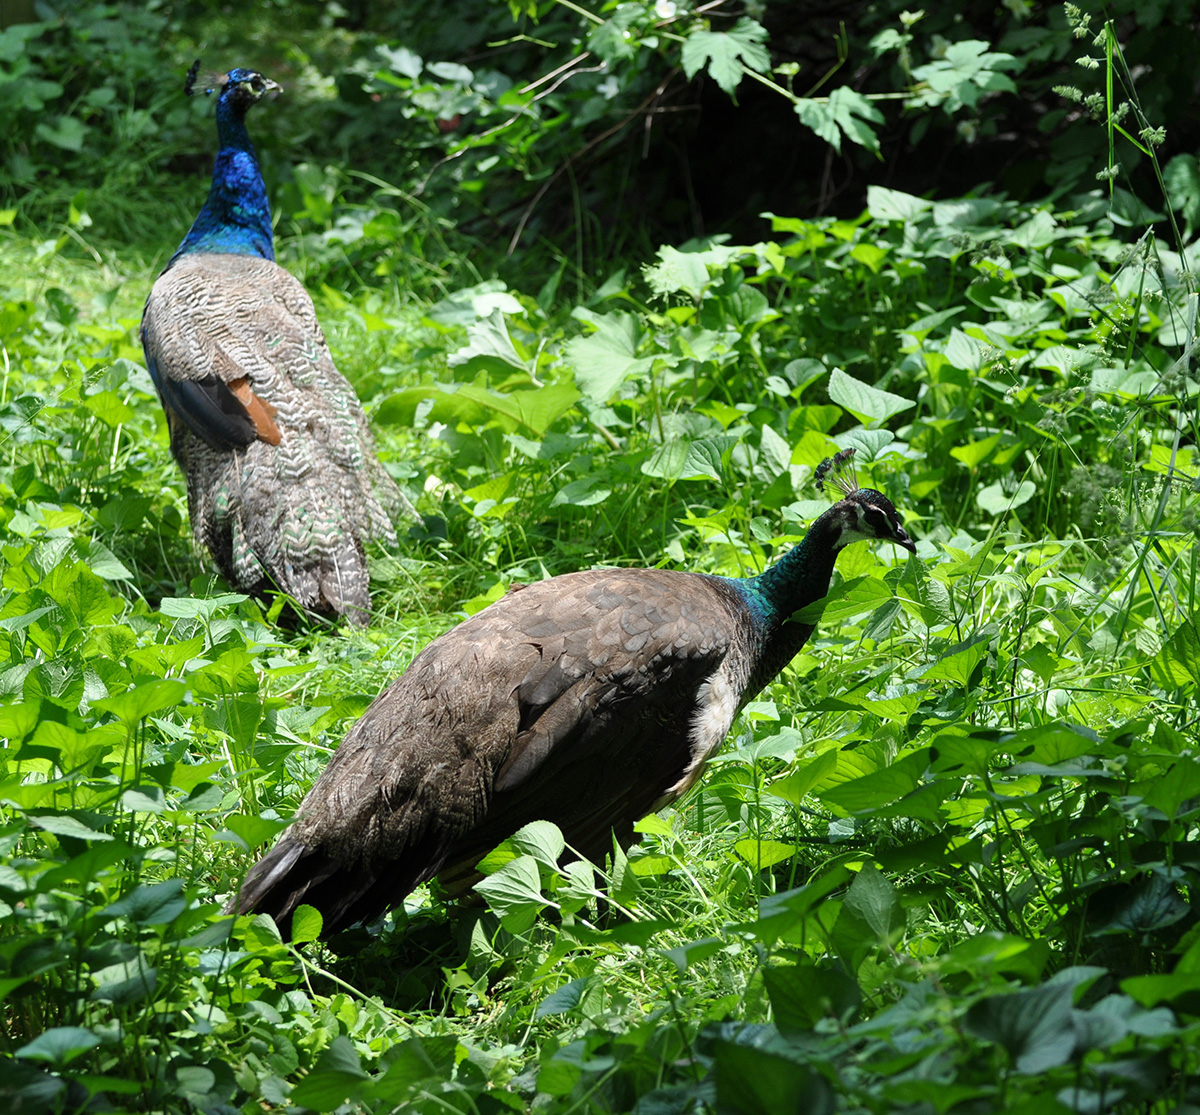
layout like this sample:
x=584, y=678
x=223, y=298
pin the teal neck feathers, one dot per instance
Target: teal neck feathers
x=801, y=577
x=236, y=218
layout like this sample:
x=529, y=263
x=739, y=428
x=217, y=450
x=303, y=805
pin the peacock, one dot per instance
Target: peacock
x=283, y=483
x=589, y=699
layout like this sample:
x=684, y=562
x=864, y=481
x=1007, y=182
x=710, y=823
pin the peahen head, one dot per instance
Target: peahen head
x=802, y=576
x=862, y=514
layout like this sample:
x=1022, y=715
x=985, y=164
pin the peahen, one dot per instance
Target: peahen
x=589, y=699
x=283, y=483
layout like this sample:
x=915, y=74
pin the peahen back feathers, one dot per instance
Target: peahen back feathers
x=284, y=487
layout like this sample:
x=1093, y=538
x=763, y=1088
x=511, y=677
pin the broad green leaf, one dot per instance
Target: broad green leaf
x=515, y=893
x=751, y=1081
x=338, y=1076
x=143, y=700
x=727, y=54
x=565, y=999
x=150, y=903
x=193, y=607
x=844, y=113
x=802, y=995
x=59, y=1045
x=867, y=404
x=1036, y=1026
x=957, y=665
x=63, y=825
x=606, y=358
x=996, y=500
x=763, y=854
x=892, y=205
x=795, y=787
x=684, y=956
x=687, y=272
x=879, y=787
x=307, y=924
x=587, y=491
x=489, y=347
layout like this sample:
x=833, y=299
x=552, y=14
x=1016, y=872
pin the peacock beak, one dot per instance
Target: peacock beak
x=901, y=538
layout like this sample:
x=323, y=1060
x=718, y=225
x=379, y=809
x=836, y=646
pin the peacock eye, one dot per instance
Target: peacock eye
x=256, y=83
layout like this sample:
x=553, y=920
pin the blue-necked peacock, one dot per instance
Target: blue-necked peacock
x=589, y=699
x=283, y=483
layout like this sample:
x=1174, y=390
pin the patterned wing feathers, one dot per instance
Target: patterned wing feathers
x=241, y=364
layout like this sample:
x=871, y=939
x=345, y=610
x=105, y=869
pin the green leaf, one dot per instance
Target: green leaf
x=684, y=956
x=802, y=995
x=307, y=924
x=1036, y=1026
x=892, y=205
x=727, y=54
x=867, y=404
x=193, y=607
x=59, y=1045
x=604, y=360
x=515, y=893
x=752, y=1081
x=150, y=903
x=957, y=665
x=63, y=825
x=540, y=839
x=565, y=999
x=687, y=272
x=844, y=113
x=489, y=347
x=143, y=700
x=337, y=1077
x=801, y=782
x=995, y=500
x=763, y=854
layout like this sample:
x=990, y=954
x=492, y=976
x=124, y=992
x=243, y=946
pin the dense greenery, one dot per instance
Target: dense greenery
x=945, y=863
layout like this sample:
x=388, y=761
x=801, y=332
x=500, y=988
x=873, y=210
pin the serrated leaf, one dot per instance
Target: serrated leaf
x=844, y=113
x=606, y=358
x=727, y=54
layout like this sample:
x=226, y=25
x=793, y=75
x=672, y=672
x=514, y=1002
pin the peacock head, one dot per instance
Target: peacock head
x=238, y=87
x=861, y=513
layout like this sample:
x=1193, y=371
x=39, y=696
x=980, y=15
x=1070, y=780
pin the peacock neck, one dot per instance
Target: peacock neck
x=236, y=217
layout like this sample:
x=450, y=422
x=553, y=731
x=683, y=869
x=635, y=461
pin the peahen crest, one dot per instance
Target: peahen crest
x=838, y=472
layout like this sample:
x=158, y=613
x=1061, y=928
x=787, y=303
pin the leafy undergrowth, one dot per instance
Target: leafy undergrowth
x=944, y=865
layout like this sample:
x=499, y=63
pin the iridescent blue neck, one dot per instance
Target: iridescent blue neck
x=236, y=217
x=799, y=578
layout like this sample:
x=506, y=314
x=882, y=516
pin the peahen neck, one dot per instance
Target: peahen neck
x=236, y=217
x=801, y=577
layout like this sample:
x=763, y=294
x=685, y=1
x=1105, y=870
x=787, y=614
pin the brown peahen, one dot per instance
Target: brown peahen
x=589, y=699
x=283, y=483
